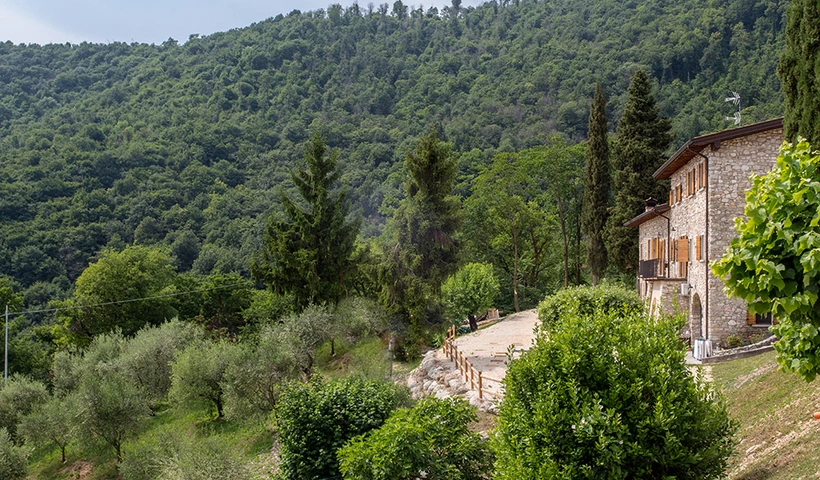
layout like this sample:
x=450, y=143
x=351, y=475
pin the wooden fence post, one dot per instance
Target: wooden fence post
x=480, y=387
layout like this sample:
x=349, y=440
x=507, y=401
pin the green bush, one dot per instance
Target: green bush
x=431, y=437
x=315, y=419
x=574, y=301
x=17, y=398
x=610, y=396
x=13, y=461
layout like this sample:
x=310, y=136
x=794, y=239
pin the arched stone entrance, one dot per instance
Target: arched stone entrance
x=696, y=318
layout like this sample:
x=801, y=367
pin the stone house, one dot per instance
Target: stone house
x=709, y=178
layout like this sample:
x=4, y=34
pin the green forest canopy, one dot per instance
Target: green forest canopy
x=185, y=145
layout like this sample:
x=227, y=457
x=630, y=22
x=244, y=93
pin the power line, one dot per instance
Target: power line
x=131, y=300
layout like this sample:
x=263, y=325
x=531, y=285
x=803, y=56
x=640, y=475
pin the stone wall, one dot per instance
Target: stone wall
x=688, y=218
x=730, y=168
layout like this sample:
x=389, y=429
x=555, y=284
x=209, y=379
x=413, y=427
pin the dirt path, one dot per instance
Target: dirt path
x=486, y=350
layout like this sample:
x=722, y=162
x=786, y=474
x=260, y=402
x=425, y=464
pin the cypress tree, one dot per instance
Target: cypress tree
x=309, y=254
x=799, y=69
x=638, y=151
x=596, y=186
x=426, y=222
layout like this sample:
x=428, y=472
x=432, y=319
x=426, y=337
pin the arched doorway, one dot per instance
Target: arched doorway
x=696, y=318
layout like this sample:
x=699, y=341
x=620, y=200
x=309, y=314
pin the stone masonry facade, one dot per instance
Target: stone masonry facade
x=708, y=191
x=730, y=169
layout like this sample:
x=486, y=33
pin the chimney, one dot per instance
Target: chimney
x=650, y=203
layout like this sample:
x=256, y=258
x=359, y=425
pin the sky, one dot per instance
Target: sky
x=147, y=21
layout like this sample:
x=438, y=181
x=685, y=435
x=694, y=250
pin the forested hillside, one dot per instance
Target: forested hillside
x=186, y=144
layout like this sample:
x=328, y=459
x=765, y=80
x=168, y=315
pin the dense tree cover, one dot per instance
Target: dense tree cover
x=638, y=151
x=596, y=186
x=179, y=144
x=798, y=71
x=774, y=262
x=523, y=218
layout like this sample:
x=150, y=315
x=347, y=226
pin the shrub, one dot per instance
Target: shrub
x=18, y=398
x=13, y=461
x=315, y=419
x=733, y=341
x=610, y=396
x=431, y=437
x=574, y=301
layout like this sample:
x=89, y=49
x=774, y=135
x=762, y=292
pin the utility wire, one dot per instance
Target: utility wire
x=131, y=300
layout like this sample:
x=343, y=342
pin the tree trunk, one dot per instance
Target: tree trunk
x=563, y=223
x=119, y=452
x=473, y=323
x=515, y=269
x=220, y=413
x=62, y=450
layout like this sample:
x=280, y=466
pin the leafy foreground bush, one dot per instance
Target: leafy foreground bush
x=13, y=462
x=432, y=437
x=609, y=396
x=316, y=419
x=575, y=301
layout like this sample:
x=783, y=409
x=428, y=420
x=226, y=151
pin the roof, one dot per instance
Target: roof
x=696, y=144
x=648, y=215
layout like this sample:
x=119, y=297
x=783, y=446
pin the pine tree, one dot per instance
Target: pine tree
x=596, y=187
x=426, y=222
x=309, y=253
x=799, y=69
x=638, y=151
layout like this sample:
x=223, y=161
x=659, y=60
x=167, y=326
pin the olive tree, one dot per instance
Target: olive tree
x=199, y=374
x=774, y=262
x=51, y=424
x=470, y=291
x=13, y=459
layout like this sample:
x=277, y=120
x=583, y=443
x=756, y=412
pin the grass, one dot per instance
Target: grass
x=778, y=438
x=248, y=439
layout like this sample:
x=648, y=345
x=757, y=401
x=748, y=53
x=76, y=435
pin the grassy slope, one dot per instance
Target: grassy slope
x=778, y=438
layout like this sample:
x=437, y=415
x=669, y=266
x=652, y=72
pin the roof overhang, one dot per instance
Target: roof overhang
x=697, y=144
x=655, y=212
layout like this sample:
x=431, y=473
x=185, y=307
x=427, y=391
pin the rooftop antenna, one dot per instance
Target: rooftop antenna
x=735, y=98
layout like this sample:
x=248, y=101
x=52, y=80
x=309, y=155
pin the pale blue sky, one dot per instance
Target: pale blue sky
x=149, y=21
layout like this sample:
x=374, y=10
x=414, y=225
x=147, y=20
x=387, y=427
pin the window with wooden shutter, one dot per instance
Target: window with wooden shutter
x=703, y=175
x=750, y=317
x=699, y=247
x=683, y=250
x=670, y=196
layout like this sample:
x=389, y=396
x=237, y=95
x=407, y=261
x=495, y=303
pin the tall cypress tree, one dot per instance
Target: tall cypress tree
x=799, y=69
x=596, y=186
x=308, y=254
x=638, y=151
x=426, y=222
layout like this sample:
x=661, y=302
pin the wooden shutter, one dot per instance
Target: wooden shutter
x=750, y=317
x=702, y=175
x=683, y=250
x=670, y=196
x=698, y=247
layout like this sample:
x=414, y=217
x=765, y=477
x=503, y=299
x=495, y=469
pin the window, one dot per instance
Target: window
x=762, y=319
x=699, y=247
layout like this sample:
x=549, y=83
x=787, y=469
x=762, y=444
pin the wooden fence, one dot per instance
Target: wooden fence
x=470, y=374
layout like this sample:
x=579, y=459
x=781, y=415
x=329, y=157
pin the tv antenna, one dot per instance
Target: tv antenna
x=735, y=98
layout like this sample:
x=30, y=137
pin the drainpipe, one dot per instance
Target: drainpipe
x=706, y=242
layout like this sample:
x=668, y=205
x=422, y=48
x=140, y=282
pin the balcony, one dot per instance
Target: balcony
x=650, y=268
